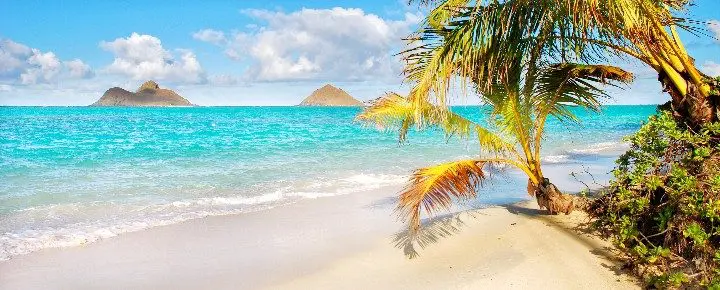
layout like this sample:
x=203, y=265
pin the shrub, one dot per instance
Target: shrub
x=663, y=207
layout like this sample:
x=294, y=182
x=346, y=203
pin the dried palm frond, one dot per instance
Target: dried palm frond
x=435, y=188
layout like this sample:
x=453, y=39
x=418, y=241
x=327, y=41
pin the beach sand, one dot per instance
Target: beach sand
x=342, y=242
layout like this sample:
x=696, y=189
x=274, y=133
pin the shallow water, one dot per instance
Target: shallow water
x=74, y=175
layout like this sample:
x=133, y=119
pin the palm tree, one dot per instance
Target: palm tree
x=585, y=31
x=512, y=136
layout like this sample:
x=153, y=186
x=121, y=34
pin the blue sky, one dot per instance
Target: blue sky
x=231, y=52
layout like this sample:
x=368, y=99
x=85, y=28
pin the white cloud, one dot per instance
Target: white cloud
x=711, y=68
x=44, y=67
x=714, y=26
x=336, y=44
x=143, y=57
x=28, y=66
x=13, y=57
x=237, y=45
x=210, y=35
x=224, y=80
x=78, y=69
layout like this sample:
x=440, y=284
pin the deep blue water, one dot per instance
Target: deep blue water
x=75, y=174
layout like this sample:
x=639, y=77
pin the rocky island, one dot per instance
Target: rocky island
x=148, y=95
x=329, y=95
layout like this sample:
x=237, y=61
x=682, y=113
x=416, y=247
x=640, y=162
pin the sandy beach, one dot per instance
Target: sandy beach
x=365, y=145
x=343, y=242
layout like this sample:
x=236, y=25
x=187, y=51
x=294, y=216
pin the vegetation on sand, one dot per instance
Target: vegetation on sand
x=663, y=208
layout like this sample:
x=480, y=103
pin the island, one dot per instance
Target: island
x=148, y=95
x=329, y=96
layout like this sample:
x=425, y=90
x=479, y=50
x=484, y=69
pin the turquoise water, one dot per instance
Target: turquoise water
x=74, y=175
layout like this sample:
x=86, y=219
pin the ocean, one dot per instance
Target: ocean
x=74, y=175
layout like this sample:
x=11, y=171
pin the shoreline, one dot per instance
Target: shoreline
x=332, y=242
x=160, y=169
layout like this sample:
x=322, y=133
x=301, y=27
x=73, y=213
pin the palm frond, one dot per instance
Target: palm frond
x=570, y=84
x=395, y=112
x=445, y=11
x=390, y=112
x=435, y=188
x=561, y=86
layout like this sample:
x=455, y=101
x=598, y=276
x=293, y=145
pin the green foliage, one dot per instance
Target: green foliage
x=667, y=280
x=714, y=86
x=663, y=206
x=696, y=233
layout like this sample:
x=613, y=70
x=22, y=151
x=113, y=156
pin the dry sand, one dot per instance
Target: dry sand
x=343, y=242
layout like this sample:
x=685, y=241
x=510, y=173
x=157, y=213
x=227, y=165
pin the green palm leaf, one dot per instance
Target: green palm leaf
x=570, y=84
x=394, y=112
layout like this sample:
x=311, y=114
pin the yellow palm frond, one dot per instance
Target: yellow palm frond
x=434, y=188
x=395, y=112
x=439, y=15
x=389, y=112
x=479, y=40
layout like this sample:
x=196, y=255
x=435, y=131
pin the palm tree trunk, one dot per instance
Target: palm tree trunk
x=693, y=109
x=550, y=198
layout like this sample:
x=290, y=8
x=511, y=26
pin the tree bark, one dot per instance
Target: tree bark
x=550, y=198
x=692, y=109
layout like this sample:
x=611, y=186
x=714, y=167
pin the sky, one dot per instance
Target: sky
x=231, y=53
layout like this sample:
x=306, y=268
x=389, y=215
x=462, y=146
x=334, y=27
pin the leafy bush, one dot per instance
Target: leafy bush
x=714, y=85
x=663, y=206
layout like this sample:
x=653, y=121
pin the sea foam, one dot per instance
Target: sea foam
x=20, y=242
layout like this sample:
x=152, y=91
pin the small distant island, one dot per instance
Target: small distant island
x=329, y=96
x=148, y=95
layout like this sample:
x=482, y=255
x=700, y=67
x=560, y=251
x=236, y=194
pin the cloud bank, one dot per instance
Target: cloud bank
x=338, y=44
x=22, y=65
x=711, y=68
x=142, y=57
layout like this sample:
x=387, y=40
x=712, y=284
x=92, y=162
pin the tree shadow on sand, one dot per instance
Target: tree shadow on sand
x=584, y=233
x=432, y=231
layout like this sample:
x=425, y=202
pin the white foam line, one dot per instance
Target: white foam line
x=19, y=242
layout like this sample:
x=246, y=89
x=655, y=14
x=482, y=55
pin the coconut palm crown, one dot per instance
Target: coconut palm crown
x=511, y=136
x=586, y=31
